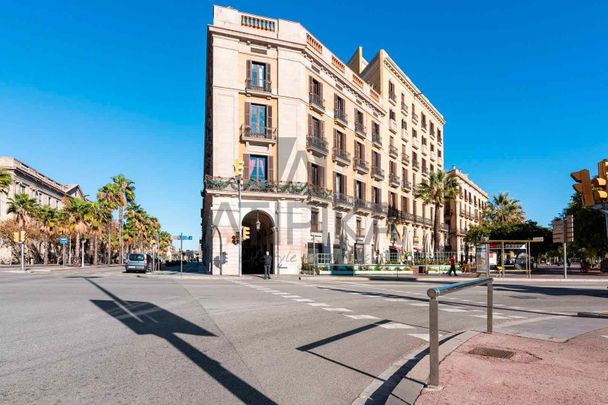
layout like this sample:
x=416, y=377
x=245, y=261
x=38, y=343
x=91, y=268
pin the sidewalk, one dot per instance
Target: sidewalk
x=54, y=267
x=539, y=372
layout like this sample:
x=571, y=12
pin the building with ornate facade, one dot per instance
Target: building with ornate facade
x=468, y=209
x=332, y=151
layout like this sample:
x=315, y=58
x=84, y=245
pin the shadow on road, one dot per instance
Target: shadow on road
x=145, y=318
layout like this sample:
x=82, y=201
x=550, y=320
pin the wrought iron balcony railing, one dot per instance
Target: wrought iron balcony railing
x=360, y=128
x=258, y=133
x=361, y=165
x=317, y=101
x=405, y=159
x=341, y=156
x=317, y=143
x=393, y=151
x=341, y=117
x=377, y=172
x=263, y=85
x=341, y=199
x=250, y=185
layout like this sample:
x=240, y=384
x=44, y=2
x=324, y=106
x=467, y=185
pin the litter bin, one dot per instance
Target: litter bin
x=421, y=270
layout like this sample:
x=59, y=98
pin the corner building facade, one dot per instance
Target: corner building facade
x=332, y=151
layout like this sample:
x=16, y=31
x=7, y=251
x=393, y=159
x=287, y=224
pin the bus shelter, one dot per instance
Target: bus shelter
x=498, y=256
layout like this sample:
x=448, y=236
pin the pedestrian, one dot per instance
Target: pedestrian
x=267, y=265
x=452, y=266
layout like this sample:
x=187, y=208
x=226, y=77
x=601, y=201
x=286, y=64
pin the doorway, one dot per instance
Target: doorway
x=261, y=240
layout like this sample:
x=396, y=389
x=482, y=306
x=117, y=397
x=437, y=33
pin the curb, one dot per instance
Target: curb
x=452, y=279
x=404, y=380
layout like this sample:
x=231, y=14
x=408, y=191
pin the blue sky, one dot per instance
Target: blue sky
x=91, y=89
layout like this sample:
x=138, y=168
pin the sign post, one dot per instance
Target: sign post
x=563, y=232
x=181, y=237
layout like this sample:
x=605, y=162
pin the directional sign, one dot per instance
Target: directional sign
x=558, y=231
x=181, y=237
x=63, y=240
x=569, y=228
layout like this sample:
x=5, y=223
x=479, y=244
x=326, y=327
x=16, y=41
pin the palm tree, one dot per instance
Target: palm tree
x=5, y=181
x=23, y=207
x=438, y=190
x=505, y=209
x=126, y=194
x=79, y=212
x=109, y=197
x=49, y=220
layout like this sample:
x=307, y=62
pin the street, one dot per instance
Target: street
x=104, y=336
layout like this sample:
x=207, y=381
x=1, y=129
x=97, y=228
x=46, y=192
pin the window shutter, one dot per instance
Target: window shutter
x=310, y=173
x=245, y=166
x=269, y=120
x=321, y=176
x=270, y=168
x=268, y=81
x=335, y=103
x=309, y=125
x=248, y=72
x=310, y=85
x=336, y=143
x=322, y=129
x=343, y=185
x=334, y=189
x=321, y=91
x=248, y=115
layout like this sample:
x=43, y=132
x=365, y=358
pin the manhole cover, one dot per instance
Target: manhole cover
x=490, y=352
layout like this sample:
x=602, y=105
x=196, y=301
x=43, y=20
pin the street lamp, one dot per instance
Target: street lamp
x=258, y=225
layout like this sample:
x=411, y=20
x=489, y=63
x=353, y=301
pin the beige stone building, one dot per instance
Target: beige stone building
x=26, y=180
x=462, y=213
x=332, y=150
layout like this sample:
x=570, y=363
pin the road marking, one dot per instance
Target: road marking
x=361, y=316
x=493, y=316
x=517, y=317
x=338, y=309
x=280, y=293
x=318, y=304
x=418, y=304
x=395, y=325
x=369, y=296
x=303, y=300
x=423, y=336
x=395, y=299
x=291, y=296
x=452, y=310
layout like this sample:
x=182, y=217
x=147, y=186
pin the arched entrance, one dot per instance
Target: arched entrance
x=259, y=242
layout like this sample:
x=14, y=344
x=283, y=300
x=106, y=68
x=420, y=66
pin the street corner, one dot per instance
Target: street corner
x=505, y=369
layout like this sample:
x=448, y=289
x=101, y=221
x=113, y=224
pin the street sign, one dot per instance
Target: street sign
x=63, y=240
x=558, y=231
x=538, y=239
x=181, y=237
x=569, y=228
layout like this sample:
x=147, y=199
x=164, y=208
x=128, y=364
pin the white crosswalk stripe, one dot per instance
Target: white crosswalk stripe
x=419, y=304
x=452, y=310
x=338, y=309
x=291, y=296
x=395, y=325
x=361, y=316
x=303, y=300
x=318, y=304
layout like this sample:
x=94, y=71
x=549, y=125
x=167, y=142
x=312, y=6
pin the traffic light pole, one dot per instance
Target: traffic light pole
x=565, y=262
x=238, y=182
x=22, y=256
x=181, y=254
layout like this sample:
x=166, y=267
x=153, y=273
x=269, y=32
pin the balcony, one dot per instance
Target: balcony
x=394, y=180
x=404, y=109
x=342, y=202
x=392, y=125
x=416, y=165
x=318, y=144
x=361, y=206
x=361, y=166
x=414, y=118
x=340, y=117
x=416, y=142
x=317, y=102
x=433, y=157
x=341, y=156
x=445, y=227
x=376, y=140
x=432, y=134
x=408, y=217
x=418, y=219
x=405, y=159
x=425, y=170
x=406, y=185
x=423, y=126
x=258, y=134
x=378, y=209
x=258, y=86
x=360, y=129
x=377, y=173
x=393, y=151
x=229, y=185
x=318, y=195
x=428, y=222
x=394, y=214
x=405, y=135
x=425, y=149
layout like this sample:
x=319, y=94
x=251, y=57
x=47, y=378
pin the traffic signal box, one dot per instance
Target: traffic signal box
x=239, y=165
x=592, y=192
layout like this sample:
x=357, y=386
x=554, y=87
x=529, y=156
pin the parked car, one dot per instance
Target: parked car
x=138, y=262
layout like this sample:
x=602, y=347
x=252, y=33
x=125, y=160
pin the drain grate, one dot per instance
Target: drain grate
x=490, y=352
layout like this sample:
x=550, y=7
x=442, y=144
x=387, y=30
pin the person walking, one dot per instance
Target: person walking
x=452, y=266
x=267, y=265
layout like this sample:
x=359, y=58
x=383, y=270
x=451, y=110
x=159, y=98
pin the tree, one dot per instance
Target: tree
x=126, y=194
x=49, y=220
x=79, y=212
x=505, y=209
x=5, y=181
x=439, y=189
x=98, y=216
x=23, y=207
x=109, y=197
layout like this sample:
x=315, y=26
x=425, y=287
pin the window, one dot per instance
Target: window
x=391, y=115
x=392, y=168
x=340, y=105
x=316, y=127
x=404, y=124
x=257, y=121
x=392, y=200
x=316, y=87
x=257, y=167
x=316, y=175
x=359, y=151
x=414, y=133
x=438, y=135
x=405, y=205
x=338, y=225
x=375, y=159
x=376, y=198
x=340, y=184
x=359, y=228
x=340, y=140
x=359, y=117
x=424, y=140
x=258, y=74
x=391, y=91
x=359, y=190
x=314, y=221
x=375, y=130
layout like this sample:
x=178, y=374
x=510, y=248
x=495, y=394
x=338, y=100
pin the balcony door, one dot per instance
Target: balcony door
x=258, y=119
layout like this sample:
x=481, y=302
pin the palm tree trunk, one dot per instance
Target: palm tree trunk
x=109, y=252
x=46, y=249
x=122, y=245
x=95, y=250
x=77, y=250
x=437, y=226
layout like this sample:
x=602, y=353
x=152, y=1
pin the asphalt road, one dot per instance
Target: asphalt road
x=103, y=336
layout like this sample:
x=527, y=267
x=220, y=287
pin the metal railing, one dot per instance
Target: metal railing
x=340, y=115
x=316, y=100
x=434, y=294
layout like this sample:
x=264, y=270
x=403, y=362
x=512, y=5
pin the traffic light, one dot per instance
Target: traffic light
x=239, y=165
x=235, y=239
x=246, y=230
x=600, y=183
x=583, y=186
